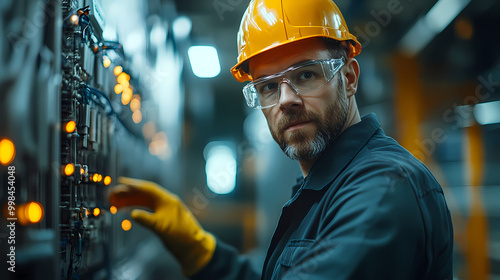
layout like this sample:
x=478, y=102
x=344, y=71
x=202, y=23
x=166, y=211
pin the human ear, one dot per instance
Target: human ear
x=351, y=75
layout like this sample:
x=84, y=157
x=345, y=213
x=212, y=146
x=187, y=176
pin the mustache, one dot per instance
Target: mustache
x=301, y=116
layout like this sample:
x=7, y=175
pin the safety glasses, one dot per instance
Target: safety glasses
x=303, y=79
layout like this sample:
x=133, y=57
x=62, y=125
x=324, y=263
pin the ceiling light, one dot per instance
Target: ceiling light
x=204, y=61
x=220, y=167
x=435, y=21
x=487, y=113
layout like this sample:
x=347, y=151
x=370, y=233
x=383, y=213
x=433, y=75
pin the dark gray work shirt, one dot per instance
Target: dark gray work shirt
x=368, y=209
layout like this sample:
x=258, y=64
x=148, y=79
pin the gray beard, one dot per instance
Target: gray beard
x=310, y=150
x=328, y=129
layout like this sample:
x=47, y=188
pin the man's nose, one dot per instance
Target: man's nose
x=288, y=97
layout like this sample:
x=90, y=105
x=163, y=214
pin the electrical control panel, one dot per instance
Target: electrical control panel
x=72, y=121
x=86, y=152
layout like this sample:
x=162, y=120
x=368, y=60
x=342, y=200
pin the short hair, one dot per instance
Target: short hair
x=337, y=49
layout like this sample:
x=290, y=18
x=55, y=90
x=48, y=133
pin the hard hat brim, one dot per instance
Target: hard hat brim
x=241, y=76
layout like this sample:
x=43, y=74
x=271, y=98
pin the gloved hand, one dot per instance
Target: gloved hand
x=170, y=220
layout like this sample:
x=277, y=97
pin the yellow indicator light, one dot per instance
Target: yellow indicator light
x=137, y=116
x=135, y=104
x=7, y=151
x=118, y=89
x=106, y=61
x=70, y=127
x=126, y=225
x=122, y=77
x=35, y=212
x=107, y=180
x=117, y=70
x=69, y=169
x=125, y=84
x=99, y=178
x=97, y=211
x=30, y=213
x=149, y=130
x=159, y=146
x=95, y=178
x=74, y=19
x=82, y=171
x=113, y=209
x=126, y=96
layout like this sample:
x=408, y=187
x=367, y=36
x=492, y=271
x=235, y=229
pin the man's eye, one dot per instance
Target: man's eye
x=268, y=87
x=306, y=75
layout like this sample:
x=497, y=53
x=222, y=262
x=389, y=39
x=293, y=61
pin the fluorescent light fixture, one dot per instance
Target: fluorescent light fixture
x=181, y=27
x=204, y=61
x=433, y=23
x=487, y=113
x=220, y=167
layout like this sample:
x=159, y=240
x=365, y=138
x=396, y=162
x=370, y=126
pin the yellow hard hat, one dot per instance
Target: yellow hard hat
x=268, y=24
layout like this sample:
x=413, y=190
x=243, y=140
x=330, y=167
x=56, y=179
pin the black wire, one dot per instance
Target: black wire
x=88, y=26
x=107, y=104
x=70, y=267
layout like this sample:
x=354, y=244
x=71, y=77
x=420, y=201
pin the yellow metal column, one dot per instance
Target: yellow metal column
x=407, y=102
x=410, y=109
x=476, y=247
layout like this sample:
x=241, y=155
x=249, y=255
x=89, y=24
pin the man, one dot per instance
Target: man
x=364, y=208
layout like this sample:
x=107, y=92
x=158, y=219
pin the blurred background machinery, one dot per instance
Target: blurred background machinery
x=94, y=90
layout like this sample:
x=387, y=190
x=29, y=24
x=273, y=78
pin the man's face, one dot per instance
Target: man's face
x=303, y=125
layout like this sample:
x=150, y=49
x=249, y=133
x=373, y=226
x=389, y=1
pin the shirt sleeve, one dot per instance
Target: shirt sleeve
x=372, y=229
x=227, y=264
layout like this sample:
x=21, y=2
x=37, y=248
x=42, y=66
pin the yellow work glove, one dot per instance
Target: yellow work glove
x=170, y=220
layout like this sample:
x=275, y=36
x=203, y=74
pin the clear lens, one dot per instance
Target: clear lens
x=304, y=78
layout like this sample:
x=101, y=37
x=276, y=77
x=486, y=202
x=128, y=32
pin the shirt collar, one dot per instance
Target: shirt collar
x=340, y=152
